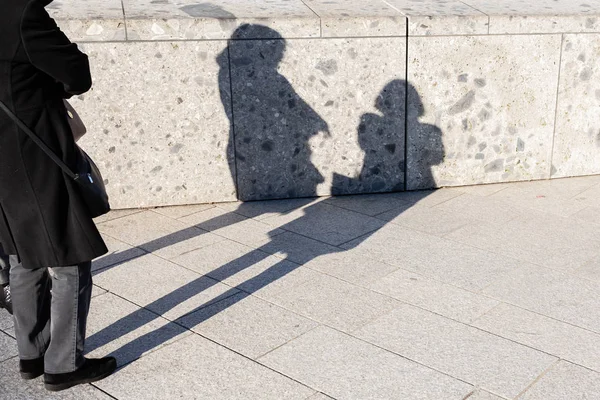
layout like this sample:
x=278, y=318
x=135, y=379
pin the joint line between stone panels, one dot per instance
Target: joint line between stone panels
x=233, y=138
x=562, y=42
x=124, y=20
x=318, y=16
x=538, y=378
x=103, y=391
x=406, y=60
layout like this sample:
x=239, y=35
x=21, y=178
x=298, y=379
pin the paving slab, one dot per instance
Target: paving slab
x=565, y=381
x=589, y=214
x=15, y=388
x=6, y=320
x=247, y=324
x=126, y=331
x=195, y=368
x=326, y=223
x=346, y=368
x=474, y=356
x=157, y=233
x=445, y=260
x=335, y=303
x=440, y=298
x=483, y=395
x=8, y=347
x=177, y=212
x=554, y=337
x=555, y=294
x=163, y=287
x=371, y=204
x=118, y=252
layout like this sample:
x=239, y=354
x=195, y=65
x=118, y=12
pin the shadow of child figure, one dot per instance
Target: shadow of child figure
x=382, y=138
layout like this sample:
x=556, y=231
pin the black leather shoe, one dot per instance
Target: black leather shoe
x=92, y=370
x=31, y=369
x=6, y=299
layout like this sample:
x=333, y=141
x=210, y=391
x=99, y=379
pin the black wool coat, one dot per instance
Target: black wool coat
x=43, y=218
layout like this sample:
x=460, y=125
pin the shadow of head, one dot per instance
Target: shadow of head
x=429, y=147
x=270, y=55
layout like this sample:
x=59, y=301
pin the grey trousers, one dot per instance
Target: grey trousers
x=50, y=308
x=4, y=267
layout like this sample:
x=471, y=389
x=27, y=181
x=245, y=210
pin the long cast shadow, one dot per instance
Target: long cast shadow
x=273, y=126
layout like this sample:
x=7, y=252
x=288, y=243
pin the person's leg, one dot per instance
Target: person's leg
x=5, y=296
x=30, y=290
x=71, y=295
x=65, y=365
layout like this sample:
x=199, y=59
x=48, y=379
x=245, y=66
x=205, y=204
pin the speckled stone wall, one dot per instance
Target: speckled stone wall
x=158, y=126
x=488, y=109
x=577, y=138
x=197, y=102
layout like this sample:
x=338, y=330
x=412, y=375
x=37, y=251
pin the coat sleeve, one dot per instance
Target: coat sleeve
x=50, y=51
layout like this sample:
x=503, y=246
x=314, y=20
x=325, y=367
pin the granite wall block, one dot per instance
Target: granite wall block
x=577, y=137
x=482, y=109
x=315, y=117
x=157, y=124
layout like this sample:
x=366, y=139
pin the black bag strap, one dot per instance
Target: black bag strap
x=38, y=141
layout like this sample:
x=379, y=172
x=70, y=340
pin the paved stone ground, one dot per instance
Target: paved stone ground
x=489, y=292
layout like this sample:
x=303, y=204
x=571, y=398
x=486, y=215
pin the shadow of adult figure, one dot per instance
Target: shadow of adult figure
x=273, y=124
x=319, y=228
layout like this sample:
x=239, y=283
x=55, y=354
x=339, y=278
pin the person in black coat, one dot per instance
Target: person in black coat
x=44, y=222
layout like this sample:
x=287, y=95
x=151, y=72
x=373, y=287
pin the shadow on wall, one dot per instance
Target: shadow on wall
x=273, y=125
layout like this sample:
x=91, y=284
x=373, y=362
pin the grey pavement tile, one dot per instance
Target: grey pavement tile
x=297, y=248
x=554, y=197
x=251, y=270
x=562, y=340
x=480, y=190
x=430, y=198
x=448, y=261
x=98, y=291
x=6, y=320
x=326, y=223
x=247, y=324
x=118, y=252
x=429, y=220
x=565, y=381
x=196, y=368
x=161, y=286
x=485, y=209
x=249, y=232
x=126, y=331
x=435, y=296
x=370, y=204
x=264, y=209
x=590, y=270
x=351, y=266
x=483, y=395
x=590, y=196
x=12, y=387
x=115, y=214
x=177, y=212
x=245, y=230
x=319, y=396
x=158, y=234
x=480, y=358
x=551, y=293
x=213, y=219
x=8, y=347
x=528, y=240
x=589, y=215
x=335, y=303
x=218, y=255
x=347, y=368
